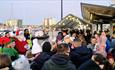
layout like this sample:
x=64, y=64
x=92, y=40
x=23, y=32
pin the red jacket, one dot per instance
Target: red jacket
x=20, y=46
x=5, y=40
x=1, y=40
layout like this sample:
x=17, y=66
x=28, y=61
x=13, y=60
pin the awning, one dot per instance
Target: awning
x=92, y=12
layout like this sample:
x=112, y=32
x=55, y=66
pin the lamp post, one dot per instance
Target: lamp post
x=61, y=9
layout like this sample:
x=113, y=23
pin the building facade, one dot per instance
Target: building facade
x=48, y=23
x=14, y=23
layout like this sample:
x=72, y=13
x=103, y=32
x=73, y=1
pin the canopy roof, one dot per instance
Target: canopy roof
x=70, y=21
x=99, y=13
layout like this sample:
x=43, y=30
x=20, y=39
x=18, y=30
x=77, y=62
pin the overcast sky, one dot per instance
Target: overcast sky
x=34, y=11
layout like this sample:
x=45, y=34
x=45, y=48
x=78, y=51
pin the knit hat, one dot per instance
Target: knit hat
x=36, y=48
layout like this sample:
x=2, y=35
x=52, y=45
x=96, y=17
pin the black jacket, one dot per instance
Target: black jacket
x=40, y=60
x=59, y=62
x=89, y=65
x=79, y=55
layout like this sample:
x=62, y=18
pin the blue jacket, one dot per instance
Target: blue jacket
x=108, y=45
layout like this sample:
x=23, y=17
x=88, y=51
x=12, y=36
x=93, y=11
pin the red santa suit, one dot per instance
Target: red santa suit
x=21, y=44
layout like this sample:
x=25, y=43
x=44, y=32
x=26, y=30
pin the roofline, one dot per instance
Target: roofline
x=75, y=17
x=109, y=7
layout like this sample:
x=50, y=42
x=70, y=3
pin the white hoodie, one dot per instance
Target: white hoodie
x=21, y=63
x=36, y=48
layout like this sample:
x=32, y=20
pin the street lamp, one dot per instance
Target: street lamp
x=61, y=9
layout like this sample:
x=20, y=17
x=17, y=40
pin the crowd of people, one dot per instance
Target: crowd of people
x=72, y=50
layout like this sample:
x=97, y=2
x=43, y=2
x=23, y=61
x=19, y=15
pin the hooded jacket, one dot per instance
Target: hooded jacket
x=20, y=46
x=89, y=65
x=38, y=63
x=79, y=55
x=59, y=62
x=36, y=48
x=11, y=52
x=113, y=43
x=21, y=63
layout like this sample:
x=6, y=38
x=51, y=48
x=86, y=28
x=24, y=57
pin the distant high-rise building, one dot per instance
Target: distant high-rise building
x=48, y=22
x=14, y=23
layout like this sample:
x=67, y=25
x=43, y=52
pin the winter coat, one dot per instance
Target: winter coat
x=59, y=62
x=36, y=48
x=113, y=43
x=21, y=64
x=79, y=55
x=11, y=52
x=108, y=44
x=38, y=63
x=89, y=65
x=20, y=46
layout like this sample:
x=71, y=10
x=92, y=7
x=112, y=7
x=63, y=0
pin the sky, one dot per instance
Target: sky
x=34, y=11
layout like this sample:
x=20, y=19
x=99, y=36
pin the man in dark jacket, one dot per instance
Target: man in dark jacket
x=95, y=63
x=79, y=54
x=42, y=58
x=60, y=61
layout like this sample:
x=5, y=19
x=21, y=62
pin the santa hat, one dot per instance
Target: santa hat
x=18, y=32
x=36, y=48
